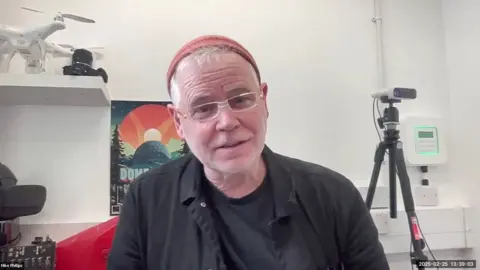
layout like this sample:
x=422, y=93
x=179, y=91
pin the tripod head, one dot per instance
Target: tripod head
x=390, y=118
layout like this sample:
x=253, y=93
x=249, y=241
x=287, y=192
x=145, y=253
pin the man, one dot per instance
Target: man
x=233, y=203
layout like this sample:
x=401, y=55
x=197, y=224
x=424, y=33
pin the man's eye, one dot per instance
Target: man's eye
x=239, y=99
x=241, y=102
x=204, y=109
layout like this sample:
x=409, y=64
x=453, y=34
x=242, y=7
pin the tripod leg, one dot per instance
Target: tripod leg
x=379, y=157
x=416, y=238
x=392, y=176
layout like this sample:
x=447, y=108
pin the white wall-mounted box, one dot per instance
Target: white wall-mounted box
x=424, y=140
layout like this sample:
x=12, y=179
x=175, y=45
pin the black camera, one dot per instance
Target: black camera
x=82, y=61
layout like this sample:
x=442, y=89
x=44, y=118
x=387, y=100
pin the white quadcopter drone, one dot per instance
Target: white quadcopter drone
x=32, y=45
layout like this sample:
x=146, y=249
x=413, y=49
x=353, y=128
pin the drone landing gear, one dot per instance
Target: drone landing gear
x=3, y=64
x=5, y=61
x=35, y=60
x=34, y=66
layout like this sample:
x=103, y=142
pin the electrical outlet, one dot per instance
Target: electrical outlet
x=381, y=218
x=426, y=196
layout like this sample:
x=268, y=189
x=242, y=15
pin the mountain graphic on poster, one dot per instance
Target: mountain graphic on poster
x=143, y=137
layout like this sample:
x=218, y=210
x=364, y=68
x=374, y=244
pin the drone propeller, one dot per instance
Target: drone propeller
x=34, y=10
x=71, y=47
x=65, y=15
x=77, y=18
x=66, y=46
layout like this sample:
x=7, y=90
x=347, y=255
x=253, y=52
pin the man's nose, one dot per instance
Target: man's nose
x=227, y=119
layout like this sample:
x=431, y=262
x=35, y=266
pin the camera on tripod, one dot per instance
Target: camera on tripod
x=390, y=118
x=392, y=146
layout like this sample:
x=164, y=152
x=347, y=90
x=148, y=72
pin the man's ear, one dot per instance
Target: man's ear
x=176, y=119
x=264, y=89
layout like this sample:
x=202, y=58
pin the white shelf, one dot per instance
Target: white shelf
x=45, y=89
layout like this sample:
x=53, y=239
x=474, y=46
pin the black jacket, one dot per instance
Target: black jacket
x=321, y=218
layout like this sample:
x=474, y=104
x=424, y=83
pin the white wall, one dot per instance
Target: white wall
x=319, y=58
x=462, y=39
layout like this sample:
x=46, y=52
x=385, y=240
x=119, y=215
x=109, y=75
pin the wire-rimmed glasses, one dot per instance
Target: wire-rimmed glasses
x=210, y=110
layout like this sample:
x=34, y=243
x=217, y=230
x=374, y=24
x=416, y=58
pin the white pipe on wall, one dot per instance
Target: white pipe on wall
x=377, y=19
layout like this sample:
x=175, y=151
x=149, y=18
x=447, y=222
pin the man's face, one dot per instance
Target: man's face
x=233, y=140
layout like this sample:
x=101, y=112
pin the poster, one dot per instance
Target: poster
x=143, y=137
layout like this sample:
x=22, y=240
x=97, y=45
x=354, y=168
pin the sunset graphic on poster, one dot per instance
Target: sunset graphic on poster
x=150, y=122
x=143, y=136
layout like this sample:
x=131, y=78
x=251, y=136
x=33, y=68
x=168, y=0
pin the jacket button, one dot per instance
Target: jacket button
x=203, y=204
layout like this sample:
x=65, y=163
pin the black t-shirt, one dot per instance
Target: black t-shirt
x=243, y=228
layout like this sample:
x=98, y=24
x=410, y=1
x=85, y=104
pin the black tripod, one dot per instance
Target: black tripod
x=389, y=123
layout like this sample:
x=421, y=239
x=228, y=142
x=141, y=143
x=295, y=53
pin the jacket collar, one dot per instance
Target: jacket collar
x=277, y=170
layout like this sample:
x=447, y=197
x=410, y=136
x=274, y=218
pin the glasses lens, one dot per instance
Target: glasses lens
x=237, y=103
x=204, y=111
x=242, y=102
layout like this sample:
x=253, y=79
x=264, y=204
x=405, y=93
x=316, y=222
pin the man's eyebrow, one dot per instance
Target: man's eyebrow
x=237, y=91
x=205, y=98
x=201, y=99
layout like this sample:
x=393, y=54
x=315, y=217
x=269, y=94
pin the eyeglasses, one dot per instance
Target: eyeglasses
x=211, y=110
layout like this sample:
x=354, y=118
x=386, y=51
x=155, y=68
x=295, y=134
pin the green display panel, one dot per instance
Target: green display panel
x=426, y=140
